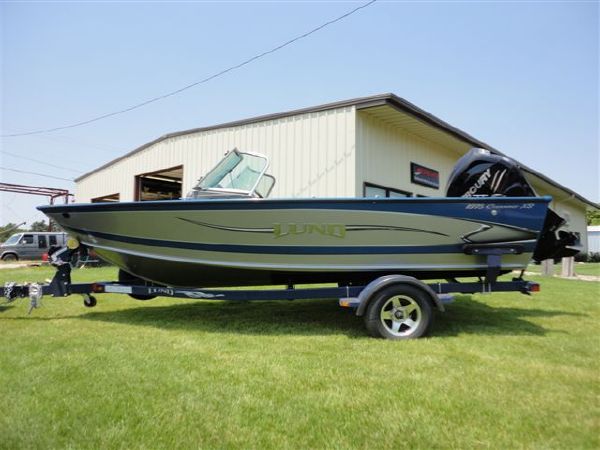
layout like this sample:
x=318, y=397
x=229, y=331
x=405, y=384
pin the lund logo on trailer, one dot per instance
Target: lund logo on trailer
x=337, y=230
x=485, y=176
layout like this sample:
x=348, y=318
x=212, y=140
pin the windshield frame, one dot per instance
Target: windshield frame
x=240, y=154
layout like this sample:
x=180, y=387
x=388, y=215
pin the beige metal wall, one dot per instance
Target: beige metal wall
x=311, y=155
x=384, y=152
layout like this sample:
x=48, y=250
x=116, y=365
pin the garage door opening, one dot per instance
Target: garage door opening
x=107, y=198
x=160, y=185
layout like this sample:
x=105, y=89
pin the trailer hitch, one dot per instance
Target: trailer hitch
x=34, y=291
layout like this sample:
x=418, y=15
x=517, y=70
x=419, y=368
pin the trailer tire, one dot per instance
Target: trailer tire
x=399, y=312
x=126, y=277
x=89, y=301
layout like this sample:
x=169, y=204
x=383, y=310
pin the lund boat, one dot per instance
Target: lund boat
x=228, y=233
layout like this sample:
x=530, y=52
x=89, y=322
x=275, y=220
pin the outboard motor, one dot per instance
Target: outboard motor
x=480, y=173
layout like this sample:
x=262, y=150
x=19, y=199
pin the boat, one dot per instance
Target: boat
x=227, y=232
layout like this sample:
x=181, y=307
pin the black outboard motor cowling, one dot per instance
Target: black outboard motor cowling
x=480, y=173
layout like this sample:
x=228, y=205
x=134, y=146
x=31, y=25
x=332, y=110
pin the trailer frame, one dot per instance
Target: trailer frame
x=360, y=297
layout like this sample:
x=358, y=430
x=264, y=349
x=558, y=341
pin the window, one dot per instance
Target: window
x=28, y=239
x=374, y=190
x=52, y=239
x=42, y=243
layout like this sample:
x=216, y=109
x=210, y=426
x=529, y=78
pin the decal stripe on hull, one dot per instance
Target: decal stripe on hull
x=287, y=249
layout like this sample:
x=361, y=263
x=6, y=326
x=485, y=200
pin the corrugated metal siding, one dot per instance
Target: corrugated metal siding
x=311, y=155
x=385, y=150
x=593, y=241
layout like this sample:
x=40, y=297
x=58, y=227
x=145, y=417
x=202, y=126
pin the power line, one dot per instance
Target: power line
x=189, y=86
x=40, y=161
x=79, y=143
x=35, y=173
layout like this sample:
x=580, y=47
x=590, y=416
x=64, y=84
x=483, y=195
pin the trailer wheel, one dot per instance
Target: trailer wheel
x=399, y=312
x=89, y=301
x=126, y=277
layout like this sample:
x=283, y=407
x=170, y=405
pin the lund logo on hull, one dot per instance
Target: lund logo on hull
x=337, y=230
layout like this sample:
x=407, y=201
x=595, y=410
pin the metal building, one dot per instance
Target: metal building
x=593, y=234
x=380, y=145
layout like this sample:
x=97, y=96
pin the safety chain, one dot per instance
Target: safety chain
x=8, y=291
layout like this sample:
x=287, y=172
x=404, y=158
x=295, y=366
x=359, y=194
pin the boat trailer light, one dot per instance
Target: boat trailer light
x=534, y=287
x=349, y=302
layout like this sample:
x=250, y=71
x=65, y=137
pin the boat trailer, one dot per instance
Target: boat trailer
x=393, y=306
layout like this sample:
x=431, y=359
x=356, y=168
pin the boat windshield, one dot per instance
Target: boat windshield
x=239, y=172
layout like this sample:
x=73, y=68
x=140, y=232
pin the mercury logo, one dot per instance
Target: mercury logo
x=485, y=176
x=337, y=230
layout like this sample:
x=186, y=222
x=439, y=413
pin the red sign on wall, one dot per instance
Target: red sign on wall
x=424, y=176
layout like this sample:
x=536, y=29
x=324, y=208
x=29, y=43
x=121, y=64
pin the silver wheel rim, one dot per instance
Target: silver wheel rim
x=401, y=315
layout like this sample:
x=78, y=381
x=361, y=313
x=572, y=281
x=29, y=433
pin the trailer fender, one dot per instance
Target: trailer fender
x=367, y=294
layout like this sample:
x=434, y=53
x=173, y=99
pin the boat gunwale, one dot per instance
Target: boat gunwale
x=286, y=203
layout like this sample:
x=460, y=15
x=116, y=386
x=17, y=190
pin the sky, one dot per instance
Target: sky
x=521, y=76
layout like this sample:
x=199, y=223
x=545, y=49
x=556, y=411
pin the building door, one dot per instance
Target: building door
x=160, y=185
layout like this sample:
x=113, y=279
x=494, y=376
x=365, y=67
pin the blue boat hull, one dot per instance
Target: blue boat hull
x=235, y=242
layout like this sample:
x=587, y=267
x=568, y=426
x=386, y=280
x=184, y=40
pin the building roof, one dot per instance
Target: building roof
x=388, y=99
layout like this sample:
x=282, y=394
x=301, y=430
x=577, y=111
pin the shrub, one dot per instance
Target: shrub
x=594, y=257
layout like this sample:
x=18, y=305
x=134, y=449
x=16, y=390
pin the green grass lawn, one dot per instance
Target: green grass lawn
x=499, y=371
x=580, y=269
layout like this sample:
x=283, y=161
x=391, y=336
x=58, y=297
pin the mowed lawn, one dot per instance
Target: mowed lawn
x=592, y=269
x=498, y=371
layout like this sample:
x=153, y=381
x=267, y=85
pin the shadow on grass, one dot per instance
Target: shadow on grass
x=5, y=308
x=314, y=317
x=466, y=315
x=321, y=317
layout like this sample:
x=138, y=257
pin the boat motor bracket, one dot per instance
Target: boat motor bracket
x=493, y=254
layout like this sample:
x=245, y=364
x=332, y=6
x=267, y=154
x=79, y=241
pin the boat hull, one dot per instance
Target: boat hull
x=233, y=242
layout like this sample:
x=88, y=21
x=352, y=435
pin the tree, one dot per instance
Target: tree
x=593, y=217
x=40, y=225
x=8, y=230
